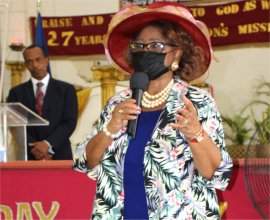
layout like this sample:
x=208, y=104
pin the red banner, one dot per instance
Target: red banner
x=230, y=23
x=236, y=23
x=33, y=193
x=32, y=190
x=77, y=35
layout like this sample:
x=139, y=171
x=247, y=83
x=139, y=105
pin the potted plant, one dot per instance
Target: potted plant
x=237, y=134
x=250, y=124
x=261, y=120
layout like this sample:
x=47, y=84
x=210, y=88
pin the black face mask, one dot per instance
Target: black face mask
x=152, y=63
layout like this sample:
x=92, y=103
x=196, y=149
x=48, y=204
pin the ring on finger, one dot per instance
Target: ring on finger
x=185, y=121
x=121, y=111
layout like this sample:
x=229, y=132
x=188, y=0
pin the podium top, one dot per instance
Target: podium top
x=16, y=114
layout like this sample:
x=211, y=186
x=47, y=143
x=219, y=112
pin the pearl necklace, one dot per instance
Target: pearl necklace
x=152, y=101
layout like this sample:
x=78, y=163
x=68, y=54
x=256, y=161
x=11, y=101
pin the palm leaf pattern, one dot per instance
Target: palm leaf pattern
x=174, y=187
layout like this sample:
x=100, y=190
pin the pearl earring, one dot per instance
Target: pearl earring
x=174, y=66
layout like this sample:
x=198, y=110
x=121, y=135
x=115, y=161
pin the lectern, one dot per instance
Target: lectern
x=14, y=117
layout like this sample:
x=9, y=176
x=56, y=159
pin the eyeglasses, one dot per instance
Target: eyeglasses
x=151, y=46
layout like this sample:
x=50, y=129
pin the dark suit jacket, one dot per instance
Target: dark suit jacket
x=60, y=108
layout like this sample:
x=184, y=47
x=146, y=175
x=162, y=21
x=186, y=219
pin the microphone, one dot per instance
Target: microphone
x=139, y=82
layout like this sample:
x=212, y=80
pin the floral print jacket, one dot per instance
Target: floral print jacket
x=174, y=187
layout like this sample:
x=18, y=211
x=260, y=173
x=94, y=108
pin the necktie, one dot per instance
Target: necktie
x=39, y=98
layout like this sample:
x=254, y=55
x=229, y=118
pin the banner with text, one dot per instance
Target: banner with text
x=45, y=193
x=76, y=35
x=230, y=23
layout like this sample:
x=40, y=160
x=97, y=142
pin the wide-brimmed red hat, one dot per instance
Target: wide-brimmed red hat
x=131, y=19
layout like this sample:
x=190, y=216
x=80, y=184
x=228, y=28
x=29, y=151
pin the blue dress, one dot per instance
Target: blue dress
x=135, y=205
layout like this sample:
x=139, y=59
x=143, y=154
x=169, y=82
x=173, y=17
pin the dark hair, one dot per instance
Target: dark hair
x=35, y=46
x=192, y=63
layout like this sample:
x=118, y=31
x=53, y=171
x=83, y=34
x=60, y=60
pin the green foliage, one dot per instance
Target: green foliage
x=239, y=132
x=261, y=123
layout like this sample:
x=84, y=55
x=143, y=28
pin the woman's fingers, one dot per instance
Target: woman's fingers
x=122, y=113
x=127, y=110
x=187, y=119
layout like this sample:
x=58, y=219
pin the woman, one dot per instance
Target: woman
x=171, y=169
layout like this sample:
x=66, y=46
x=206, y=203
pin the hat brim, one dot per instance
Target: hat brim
x=119, y=37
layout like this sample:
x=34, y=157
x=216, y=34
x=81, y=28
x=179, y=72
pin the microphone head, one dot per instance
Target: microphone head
x=139, y=80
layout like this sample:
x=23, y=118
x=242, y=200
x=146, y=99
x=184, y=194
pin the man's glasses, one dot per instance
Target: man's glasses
x=152, y=46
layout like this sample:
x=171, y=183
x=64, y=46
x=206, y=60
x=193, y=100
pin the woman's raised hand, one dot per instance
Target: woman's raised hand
x=187, y=119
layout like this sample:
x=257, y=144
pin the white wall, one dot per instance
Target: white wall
x=236, y=74
x=232, y=77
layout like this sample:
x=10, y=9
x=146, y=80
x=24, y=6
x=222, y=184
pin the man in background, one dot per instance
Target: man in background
x=53, y=100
